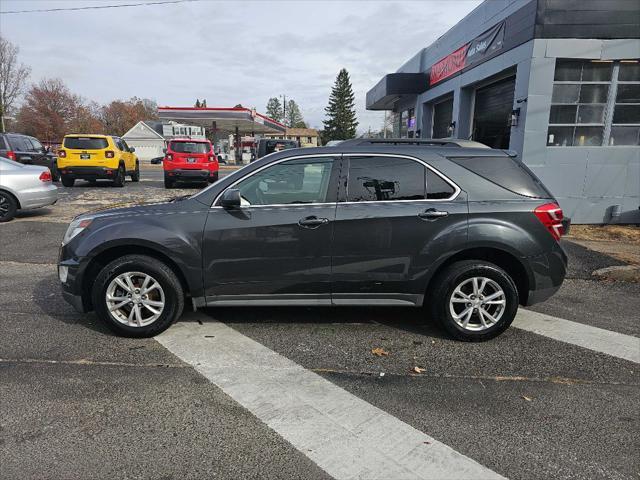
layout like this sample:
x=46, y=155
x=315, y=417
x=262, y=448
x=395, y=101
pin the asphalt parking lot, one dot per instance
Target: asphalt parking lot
x=206, y=398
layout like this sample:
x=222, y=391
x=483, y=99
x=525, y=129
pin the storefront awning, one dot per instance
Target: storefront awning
x=247, y=121
x=394, y=87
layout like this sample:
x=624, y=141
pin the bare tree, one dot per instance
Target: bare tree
x=13, y=78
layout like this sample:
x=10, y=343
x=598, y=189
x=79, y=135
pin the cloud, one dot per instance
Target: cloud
x=228, y=52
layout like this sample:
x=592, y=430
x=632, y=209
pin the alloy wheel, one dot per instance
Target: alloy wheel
x=477, y=303
x=4, y=206
x=135, y=299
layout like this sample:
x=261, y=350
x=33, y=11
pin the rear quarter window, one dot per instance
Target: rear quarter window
x=506, y=172
x=85, y=143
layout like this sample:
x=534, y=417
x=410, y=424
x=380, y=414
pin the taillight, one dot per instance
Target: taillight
x=169, y=157
x=45, y=176
x=212, y=158
x=551, y=216
x=11, y=155
x=109, y=154
x=62, y=153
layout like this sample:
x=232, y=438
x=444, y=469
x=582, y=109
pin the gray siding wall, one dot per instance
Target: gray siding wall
x=587, y=181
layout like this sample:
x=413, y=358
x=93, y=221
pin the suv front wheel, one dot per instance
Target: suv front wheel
x=474, y=300
x=137, y=296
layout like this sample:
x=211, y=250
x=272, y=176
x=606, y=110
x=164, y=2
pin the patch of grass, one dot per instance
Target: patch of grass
x=624, y=233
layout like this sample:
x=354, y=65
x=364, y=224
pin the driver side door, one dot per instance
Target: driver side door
x=276, y=247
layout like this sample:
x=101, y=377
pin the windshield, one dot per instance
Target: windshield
x=85, y=143
x=190, y=147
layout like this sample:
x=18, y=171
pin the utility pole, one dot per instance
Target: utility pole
x=284, y=111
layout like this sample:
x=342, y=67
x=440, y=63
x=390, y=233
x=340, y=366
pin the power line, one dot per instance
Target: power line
x=98, y=7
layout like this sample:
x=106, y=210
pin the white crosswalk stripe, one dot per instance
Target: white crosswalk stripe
x=343, y=434
x=615, y=344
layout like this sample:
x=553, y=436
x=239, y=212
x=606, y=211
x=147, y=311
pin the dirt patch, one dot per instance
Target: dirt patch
x=627, y=233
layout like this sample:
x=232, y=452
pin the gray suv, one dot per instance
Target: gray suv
x=464, y=231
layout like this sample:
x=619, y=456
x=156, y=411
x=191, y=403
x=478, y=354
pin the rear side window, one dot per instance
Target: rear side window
x=85, y=143
x=189, y=147
x=437, y=187
x=374, y=179
x=507, y=172
x=20, y=143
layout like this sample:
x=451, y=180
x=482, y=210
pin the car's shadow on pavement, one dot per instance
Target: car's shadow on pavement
x=35, y=213
x=408, y=319
x=48, y=297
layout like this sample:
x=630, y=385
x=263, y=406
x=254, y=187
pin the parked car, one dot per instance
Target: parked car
x=265, y=146
x=29, y=151
x=95, y=157
x=467, y=232
x=189, y=160
x=24, y=187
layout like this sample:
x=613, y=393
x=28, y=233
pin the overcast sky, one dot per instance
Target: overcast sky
x=227, y=52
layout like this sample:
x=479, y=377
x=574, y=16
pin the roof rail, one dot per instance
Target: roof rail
x=423, y=142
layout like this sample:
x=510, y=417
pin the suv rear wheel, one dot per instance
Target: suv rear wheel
x=137, y=296
x=118, y=180
x=474, y=300
x=168, y=182
x=67, y=181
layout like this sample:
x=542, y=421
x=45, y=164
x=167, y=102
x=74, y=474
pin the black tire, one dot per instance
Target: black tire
x=119, y=179
x=173, y=292
x=135, y=176
x=168, y=183
x=67, y=181
x=8, y=206
x=448, y=280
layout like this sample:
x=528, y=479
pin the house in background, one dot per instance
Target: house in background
x=149, y=138
x=306, y=137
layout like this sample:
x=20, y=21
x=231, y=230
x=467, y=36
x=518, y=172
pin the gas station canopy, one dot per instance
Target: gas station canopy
x=237, y=120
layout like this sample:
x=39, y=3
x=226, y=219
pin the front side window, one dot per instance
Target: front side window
x=295, y=182
x=374, y=179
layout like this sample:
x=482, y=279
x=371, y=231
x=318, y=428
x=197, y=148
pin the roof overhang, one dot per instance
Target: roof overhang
x=394, y=87
x=247, y=121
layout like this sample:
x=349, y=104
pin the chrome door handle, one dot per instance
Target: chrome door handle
x=432, y=214
x=312, y=222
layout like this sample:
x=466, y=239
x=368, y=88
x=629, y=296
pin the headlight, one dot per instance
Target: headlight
x=75, y=227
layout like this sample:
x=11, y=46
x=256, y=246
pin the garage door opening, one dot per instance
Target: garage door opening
x=492, y=113
x=442, y=118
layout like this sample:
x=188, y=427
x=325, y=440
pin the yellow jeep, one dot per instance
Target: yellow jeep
x=93, y=157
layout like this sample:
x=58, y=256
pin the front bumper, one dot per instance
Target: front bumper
x=38, y=197
x=89, y=173
x=70, y=273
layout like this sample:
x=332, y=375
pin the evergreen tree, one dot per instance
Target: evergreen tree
x=203, y=104
x=294, y=116
x=274, y=109
x=341, y=119
x=197, y=105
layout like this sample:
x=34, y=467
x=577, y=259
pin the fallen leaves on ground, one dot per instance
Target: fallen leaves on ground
x=528, y=399
x=419, y=369
x=379, y=351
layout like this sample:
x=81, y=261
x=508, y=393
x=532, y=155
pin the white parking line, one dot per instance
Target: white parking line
x=346, y=436
x=616, y=344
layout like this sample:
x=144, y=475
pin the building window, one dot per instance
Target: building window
x=594, y=103
x=309, y=140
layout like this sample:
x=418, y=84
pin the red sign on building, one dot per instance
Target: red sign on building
x=452, y=63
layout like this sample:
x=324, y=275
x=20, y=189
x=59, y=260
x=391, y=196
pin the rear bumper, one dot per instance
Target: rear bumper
x=548, y=270
x=38, y=197
x=88, y=173
x=191, y=174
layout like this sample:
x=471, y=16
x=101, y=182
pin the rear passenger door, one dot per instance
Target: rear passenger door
x=396, y=217
x=22, y=148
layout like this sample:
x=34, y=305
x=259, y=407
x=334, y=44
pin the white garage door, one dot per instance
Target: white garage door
x=147, y=152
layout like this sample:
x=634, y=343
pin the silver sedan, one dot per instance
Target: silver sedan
x=24, y=187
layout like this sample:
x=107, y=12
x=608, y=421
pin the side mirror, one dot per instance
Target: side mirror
x=230, y=198
x=132, y=149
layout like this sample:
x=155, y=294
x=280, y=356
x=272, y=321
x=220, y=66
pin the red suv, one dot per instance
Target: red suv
x=189, y=160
